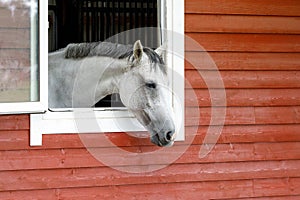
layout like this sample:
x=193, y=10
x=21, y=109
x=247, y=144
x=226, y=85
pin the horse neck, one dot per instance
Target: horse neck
x=113, y=70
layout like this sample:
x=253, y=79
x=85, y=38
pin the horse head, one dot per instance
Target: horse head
x=144, y=91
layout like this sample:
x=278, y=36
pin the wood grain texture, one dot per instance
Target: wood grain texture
x=242, y=61
x=80, y=158
x=243, y=42
x=242, y=24
x=242, y=79
x=244, y=97
x=85, y=177
x=31, y=194
x=244, y=115
x=200, y=190
x=245, y=7
x=14, y=122
x=296, y=197
x=189, y=190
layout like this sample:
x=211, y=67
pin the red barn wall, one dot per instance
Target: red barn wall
x=256, y=46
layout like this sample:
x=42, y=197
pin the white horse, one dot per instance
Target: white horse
x=95, y=70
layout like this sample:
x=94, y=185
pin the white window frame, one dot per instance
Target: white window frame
x=41, y=95
x=110, y=120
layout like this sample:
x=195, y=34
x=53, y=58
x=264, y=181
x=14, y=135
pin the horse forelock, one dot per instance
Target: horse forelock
x=155, y=58
x=152, y=56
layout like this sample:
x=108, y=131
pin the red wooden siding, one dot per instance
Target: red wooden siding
x=256, y=46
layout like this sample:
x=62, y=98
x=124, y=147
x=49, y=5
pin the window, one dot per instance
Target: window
x=20, y=83
x=98, y=20
x=105, y=20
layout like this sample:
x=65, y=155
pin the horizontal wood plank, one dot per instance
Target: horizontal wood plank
x=269, y=115
x=294, y=197
x=245, y=152
x=14, y=122
x=31, y=194
x=244, y=115
x=242, y=24
x=91, y=177
x=265, y=186
x=242, y=42
x=242, y=61
x=80, y=158
x=14, y=140
x=244, y=97
x=206, y=190
x=201, y=190
x=144, y=191
x=242, y=79
x=249, y=134
x=245, y=7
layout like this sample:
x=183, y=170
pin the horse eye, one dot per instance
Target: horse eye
x=151, y=85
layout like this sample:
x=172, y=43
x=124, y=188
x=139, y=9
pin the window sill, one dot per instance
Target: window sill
x=66, y=121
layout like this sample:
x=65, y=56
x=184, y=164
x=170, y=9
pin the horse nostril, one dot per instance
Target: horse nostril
x=169, y=135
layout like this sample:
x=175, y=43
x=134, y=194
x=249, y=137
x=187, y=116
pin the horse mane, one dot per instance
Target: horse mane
x=108, y=49
x=113, y=50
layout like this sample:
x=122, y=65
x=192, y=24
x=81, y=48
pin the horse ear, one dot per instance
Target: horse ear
x=137, y=50
x=162, y=50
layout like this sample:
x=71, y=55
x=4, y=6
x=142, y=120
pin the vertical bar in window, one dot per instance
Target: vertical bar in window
x=80, y=21
x=107, y=17
x=88, y=21
x=143, y=24
x=141, y=16
x=132, y=21
x=119, y=19
x=102, y=25
x=92, y=13
x=84, y=21
x=113, y=15
x=125, y=40
x=148, y=24
x=130, y=15
x=137, y=17
x=97, y=20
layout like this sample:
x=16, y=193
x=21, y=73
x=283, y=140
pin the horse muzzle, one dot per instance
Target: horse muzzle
x=166, y=141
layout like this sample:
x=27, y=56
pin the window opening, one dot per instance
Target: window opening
x=75, y=21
